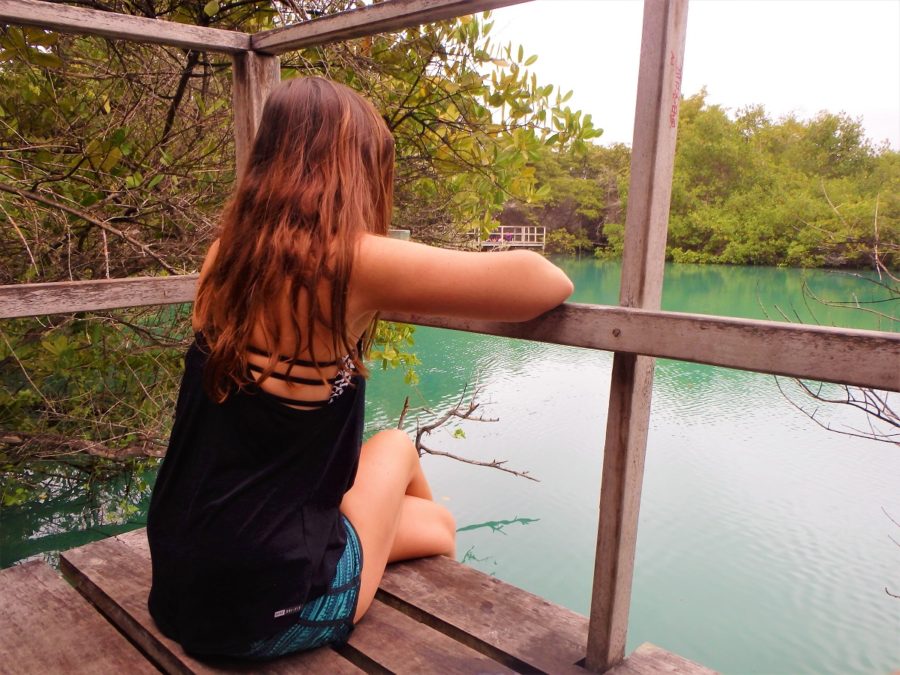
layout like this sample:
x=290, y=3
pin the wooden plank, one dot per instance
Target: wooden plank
x=388, y=640
x=21, y=300
x=862, y=358
x=253, y=76
x=68, y=19
x=643, y=259
x=114, y=574
x=511, y=626
x=649, y=659
x=48, y=628
x=376, y=18
x=857, y=357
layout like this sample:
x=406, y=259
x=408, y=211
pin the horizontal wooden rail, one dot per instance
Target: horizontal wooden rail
x=68, y=19
x=379, y=18
x=65, y=297
x=856, y=357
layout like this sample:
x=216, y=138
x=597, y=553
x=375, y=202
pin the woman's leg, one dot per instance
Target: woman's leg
x=391, y=510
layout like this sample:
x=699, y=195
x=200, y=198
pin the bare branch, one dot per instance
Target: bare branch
x=493, y=464
x=464, y=410
x=89, y=219
x=50, y=446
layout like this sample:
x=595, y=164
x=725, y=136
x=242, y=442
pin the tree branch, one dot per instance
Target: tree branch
x=465, y=411
x=51, y=446
x=32, y=196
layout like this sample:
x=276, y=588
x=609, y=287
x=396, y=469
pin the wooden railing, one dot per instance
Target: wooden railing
x=516, y=236
x=857, y=357
x=636, y=331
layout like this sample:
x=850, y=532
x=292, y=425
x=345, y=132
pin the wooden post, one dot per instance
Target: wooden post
x=253, y=75
x=652, y=162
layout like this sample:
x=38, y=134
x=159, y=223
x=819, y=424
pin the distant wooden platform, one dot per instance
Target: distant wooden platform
x=515, y=236
x=430, y=616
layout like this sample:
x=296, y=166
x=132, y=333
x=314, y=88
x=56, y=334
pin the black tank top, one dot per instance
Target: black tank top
x=244, y=520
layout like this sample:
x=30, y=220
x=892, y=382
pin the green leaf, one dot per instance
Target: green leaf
x=118, y=136
x=44, y=59
x=531, y=59
x=459, y=433
x=89, y=199
x=211, y=8
x=521, y=53
x=111, y=159
x=38, y=36
x=155, y=181
x=55, y=345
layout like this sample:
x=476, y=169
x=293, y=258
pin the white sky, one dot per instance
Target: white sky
x=798, y=56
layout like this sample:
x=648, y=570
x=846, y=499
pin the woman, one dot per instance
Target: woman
x=271, y=522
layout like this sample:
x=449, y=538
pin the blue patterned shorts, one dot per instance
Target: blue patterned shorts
x=326, y=620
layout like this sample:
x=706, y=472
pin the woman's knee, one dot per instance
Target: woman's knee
x=447, y=519
x=393, y=444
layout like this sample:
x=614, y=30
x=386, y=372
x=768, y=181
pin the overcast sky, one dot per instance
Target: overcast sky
x=799, y=56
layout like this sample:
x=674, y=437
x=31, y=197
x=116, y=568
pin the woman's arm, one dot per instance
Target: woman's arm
x=394, y=275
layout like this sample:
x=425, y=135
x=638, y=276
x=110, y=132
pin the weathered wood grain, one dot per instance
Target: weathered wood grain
x=390, y=640
x=253, y=77
x=115, y=576
x=46, y=627
x=21, y=300
x=649, y=659
x=377, y=18
x=857, y=357
x=511, y=626
x=643, y=260
x=68, y=19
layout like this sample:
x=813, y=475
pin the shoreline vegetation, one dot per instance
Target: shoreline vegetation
x=748, y=190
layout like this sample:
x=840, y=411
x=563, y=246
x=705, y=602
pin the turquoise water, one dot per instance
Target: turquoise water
x=763, y=547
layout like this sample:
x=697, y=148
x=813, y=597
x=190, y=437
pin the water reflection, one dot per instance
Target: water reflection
x=497, y=525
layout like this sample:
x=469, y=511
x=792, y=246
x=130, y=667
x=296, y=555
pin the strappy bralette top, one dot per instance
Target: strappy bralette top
x=339, y=383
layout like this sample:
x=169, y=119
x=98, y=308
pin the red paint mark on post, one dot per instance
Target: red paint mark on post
x=677, y=70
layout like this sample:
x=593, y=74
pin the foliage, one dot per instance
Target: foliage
x=563, y=241
x=750, y=190
x=390, y=349
x=580, y=189
x=747, y=190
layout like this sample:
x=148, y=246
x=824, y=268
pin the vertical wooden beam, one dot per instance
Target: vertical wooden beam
x=253, y=76
x=649, y=195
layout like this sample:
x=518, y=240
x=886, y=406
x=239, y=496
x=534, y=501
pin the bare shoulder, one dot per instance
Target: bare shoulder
x=394, y=275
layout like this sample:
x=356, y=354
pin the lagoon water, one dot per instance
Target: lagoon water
x=765, y=543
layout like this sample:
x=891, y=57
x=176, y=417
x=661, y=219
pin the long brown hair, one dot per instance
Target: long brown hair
x=320, y=174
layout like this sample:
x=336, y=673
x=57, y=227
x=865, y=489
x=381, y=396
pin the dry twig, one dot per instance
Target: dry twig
x=464, y=410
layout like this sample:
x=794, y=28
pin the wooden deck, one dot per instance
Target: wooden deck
x=430, y=616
